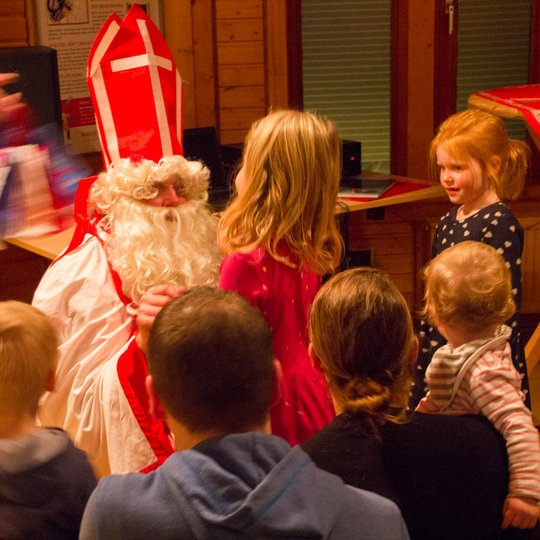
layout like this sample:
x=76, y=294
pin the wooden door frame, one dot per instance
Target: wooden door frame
x=445, y=83
x=399, y=90
x=294, y=54
x=445, y=68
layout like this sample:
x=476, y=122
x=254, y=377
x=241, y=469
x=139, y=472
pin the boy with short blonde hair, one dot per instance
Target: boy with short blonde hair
x=468, y=297
x=46, y=481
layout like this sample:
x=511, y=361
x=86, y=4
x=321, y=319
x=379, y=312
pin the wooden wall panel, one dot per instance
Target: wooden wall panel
x=530, y=269
x=13, y=24
x=204, y=55
x=249, y=75
x=239, y=30
x=278, y=34
x=11, y=7
x=391, y=243
x=240, y=120
x=13, y=30
x=241, y=66
x=239, y=9
x=231, y=97
x=178, y=32
x=244, y=53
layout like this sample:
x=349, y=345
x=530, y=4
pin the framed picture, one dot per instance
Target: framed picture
x=70, y=26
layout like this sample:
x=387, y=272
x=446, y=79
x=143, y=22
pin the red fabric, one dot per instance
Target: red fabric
x=86, y=224
x=135, y=133
x=131, y=367
x=284, y=295
x=524, y=98
x=82, y=223
x=132, y=372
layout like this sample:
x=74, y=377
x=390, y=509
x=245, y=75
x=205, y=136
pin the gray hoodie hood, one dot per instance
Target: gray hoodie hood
x=247, y=485
x=27, y=452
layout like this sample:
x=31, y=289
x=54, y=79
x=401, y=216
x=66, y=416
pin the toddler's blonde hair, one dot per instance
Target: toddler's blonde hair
x=468, y=286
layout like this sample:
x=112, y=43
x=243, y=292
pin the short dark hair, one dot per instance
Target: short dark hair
x=210, y=356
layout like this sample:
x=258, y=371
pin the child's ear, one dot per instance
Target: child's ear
x=154, y=404
x=494, y=164
x=50, y=380
x=317, y=364
x=278, y=378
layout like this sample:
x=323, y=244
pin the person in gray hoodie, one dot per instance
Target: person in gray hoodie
x=45, y=481
x=212, y=374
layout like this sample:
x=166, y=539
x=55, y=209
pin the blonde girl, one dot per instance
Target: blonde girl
x=479, y=166
x=279, y=237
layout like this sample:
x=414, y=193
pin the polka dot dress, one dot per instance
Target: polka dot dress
x=494, y=225
x=284, y=295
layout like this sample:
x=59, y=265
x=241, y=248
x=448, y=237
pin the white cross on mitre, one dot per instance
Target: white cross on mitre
x=137, y=98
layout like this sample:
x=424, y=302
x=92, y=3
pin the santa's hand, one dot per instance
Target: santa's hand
x=520, y=512
x=150, y=305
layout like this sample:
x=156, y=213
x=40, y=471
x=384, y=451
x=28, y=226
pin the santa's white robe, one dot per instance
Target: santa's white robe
x=100, y=397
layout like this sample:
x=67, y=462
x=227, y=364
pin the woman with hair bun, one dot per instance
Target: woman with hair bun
x=362, y=339
x=448, y=474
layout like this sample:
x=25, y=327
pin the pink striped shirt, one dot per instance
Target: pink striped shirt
x=479, y=378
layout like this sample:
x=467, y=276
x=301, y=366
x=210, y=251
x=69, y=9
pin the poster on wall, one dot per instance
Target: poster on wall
x=70, y=27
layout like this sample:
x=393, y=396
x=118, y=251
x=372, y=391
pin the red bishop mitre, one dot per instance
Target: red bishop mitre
x=136, y=89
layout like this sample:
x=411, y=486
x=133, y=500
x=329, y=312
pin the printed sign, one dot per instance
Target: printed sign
x=70, y=27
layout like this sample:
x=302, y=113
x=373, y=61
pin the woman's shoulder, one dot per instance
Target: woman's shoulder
x=343, y=433
x=442, y=437
x=433, y=461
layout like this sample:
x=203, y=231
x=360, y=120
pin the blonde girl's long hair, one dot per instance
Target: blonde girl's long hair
x=479, y=135
x=292, y=167
x=361, y=331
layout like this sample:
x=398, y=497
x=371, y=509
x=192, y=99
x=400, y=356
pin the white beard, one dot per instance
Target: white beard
x=151, y=246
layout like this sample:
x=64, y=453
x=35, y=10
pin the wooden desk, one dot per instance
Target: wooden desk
x=49, y=246
x=429, y=191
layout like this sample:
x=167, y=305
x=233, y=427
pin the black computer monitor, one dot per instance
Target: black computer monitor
x=202, y=144
x=38, y=80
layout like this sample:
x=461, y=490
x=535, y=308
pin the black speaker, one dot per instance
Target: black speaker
x=352, y=159
x=351, y=164
x=38, y=80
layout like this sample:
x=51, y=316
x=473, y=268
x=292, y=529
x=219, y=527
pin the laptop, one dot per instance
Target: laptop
x=202, y=144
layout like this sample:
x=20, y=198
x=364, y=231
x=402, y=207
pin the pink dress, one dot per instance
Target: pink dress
x=284, y=295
